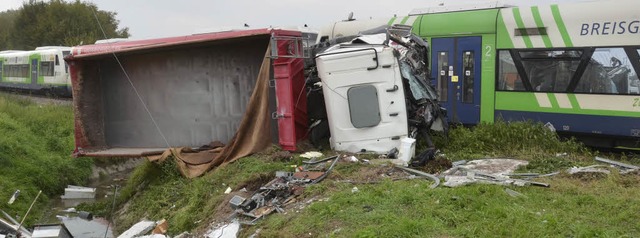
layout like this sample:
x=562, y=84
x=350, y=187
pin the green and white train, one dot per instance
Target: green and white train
x=574, y=66
x=42, y=70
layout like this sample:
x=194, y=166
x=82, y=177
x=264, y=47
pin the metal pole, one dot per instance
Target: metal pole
x=25, y=215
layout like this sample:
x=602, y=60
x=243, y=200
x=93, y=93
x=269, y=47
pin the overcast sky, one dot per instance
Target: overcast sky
x=159, y=18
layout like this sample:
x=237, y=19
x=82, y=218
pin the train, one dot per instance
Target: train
x=42, y=70
x=572, y=66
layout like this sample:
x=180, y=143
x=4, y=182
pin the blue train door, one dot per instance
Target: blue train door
x=34, y=71
x=456, y=71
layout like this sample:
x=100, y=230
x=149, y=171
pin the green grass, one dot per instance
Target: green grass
x=572, y=207
x=36, y=142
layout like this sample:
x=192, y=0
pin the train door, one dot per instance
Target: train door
x=456, y=71
x=34, y=71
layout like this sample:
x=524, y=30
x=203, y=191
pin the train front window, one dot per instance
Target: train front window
x=46, y=68
x=508, y=78
x=609, y=71
x=550, y=70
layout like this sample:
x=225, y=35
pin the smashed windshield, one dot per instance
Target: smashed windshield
x=418, y=86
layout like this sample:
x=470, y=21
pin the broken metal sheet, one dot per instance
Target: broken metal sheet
x=138, y=229
x=229, y=230
x=435, y=179
x=52, y=230
x=492, y=171
x=616, y=163
x=588, y=169
x=153, y=236
x=78, y=192
x=497, y=167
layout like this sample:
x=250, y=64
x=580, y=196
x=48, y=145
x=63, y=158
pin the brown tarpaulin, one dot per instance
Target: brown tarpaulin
x=252, y=136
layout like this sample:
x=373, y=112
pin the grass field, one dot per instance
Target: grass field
x=36, y=142
x=574, y=206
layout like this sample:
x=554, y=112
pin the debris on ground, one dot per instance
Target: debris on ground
x=282, y=190
x=311, y=155
x=78, y=192
x=50, y=230
x=435, y=179
x=588, y=169
x=492, y=171
x=13, y=197
x=139, y=229
x=161, y=228
x=228, y=230
x=624, y=168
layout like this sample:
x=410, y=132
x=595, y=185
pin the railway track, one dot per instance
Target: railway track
x=38, y=99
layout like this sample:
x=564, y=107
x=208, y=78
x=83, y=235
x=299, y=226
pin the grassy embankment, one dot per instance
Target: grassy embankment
x=36, y=142
x=573, y=206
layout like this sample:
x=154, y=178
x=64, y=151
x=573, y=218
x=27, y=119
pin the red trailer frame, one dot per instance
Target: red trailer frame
x=178, y=73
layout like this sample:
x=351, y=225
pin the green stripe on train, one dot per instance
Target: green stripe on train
x=538, y=19
x=504, y=40
x=520, y=24
x=524, y=101
x=563, y=29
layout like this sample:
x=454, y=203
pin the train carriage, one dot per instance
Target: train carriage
x=42, y=70
x=574, y=66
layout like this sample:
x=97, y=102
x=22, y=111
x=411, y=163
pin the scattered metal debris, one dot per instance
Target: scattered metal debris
x=14, y=196
x=435, y=179
x=229, y=230
x=78, y=192
x=493, y=171
x=50, y=230
x=588, y=169
x=138, y=229
x=279, y=192
x=625, y=168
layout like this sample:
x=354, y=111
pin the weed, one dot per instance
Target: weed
x=35, y=149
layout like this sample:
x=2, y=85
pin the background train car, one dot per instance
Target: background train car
x=42, y=70
x=574, y=66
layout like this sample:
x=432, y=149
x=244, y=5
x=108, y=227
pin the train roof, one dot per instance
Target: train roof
x=53, y=48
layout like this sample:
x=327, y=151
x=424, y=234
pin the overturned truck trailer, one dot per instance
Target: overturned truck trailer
x=136, y=98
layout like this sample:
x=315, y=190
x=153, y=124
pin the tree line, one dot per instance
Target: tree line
x=56, y=23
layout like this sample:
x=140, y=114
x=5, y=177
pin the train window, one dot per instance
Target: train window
x=550, y=70
x=57, y=60
x=508, y=77
x=468, y=67
x=46, y=68
x=24, y=70
x=443, y=75
x=609, y=71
